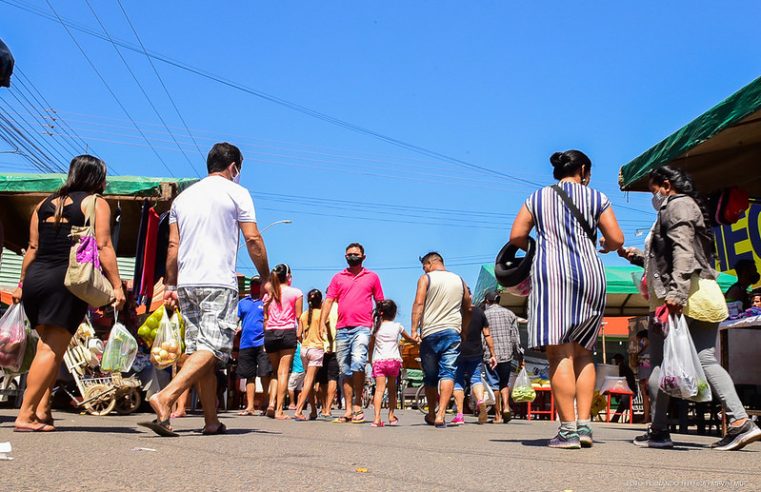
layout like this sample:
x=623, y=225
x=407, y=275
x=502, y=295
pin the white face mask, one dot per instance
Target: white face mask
x=236, y=178
x=658, y=200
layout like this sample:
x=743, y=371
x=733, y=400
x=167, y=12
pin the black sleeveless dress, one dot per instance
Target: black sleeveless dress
x=46, y=299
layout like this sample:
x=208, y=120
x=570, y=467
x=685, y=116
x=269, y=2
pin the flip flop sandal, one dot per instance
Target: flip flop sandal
x=43, y=427
x=246, y=413
x=160, y=428
x=393, y=423
x=270, y=412
x=441, y=425
x=355, y=418
x=379, y=424
x=342, y=420
x=299, y=418
x=221, y=429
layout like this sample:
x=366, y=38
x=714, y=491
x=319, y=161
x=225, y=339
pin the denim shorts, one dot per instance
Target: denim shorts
x=351, y=349
x=438, y=355
x=468, y=371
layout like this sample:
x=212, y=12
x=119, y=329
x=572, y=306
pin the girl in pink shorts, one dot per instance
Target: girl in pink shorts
x=386, y=359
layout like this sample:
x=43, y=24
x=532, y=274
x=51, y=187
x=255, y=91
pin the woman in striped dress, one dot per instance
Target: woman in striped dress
x=567, y=299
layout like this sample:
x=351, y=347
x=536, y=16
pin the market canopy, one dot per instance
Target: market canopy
x=720, y=148
x=622, y=296
x=20, y=193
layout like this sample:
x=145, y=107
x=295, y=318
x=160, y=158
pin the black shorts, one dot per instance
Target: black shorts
x=503, y=370
x=253, y=362
x=329, y=370
x=277, y=340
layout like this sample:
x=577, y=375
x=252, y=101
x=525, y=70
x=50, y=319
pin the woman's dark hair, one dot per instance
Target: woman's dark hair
x=314, y=300
x=222, y=155
x=86, y=173
x=384, y=311
x=569, y=163
x=278, y=276
x=682, y=183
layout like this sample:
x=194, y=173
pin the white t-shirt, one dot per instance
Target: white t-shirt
x=387, y=341
x=207, y=215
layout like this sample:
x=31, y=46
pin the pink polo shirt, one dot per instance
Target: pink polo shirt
x=355, y=295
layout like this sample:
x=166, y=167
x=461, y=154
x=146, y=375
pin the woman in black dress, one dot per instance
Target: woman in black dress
x=52, y=310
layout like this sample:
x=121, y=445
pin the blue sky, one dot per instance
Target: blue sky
x=498, y=84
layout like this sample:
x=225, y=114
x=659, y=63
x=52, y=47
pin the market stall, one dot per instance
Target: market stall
x=721, y=149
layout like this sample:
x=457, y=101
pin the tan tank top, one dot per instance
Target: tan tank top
x=443, y=302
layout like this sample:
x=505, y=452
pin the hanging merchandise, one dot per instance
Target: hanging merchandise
x=139, y=249
x=162, y=245
x=149, y=258
x=120, y=351
x=13, y=338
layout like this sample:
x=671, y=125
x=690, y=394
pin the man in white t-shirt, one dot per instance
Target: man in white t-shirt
x=204, y=226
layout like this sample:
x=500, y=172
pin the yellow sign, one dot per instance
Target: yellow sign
x=740, y=241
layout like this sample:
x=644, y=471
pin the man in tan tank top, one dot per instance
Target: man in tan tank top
x=440, y=313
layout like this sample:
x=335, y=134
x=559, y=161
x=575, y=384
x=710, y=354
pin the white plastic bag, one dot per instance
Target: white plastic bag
x=120, y=351
x=682, y=376
x=523, y=392
x=167, y=346
x=489, y=397
x=13, y=337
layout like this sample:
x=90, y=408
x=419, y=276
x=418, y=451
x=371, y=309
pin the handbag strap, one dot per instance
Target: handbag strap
x=90, y=210
x=591, y=232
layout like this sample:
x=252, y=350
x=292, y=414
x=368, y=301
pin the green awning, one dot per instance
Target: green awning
x=622, y=295
x=136, y=186
x=720, y=148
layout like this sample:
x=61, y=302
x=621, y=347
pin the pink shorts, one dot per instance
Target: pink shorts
x=312, y=357
x=389, y=368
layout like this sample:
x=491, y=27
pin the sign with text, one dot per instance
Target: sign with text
x=740, y=241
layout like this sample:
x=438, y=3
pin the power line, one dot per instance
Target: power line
x=142, y=89
x=161, y=80
x=30, y=127
x=105, y=83
x=21, y=143
x=28, y=139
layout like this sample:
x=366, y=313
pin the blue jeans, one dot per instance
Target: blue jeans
x=438, y=355
x=351, y=349
x=470, y=371
x=492, y=379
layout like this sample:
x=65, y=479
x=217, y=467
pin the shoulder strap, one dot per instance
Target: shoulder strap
x=90, y=210
x=591, y=233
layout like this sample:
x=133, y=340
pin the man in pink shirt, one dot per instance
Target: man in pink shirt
x=354, y=289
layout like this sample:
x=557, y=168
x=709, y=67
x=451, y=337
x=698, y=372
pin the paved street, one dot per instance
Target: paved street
x=101, y=453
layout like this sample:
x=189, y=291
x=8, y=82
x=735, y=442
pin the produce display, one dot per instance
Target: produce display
x=167, y=345
x=523, y=392
x=147, y=332
x=13, y=336
x=120, y=351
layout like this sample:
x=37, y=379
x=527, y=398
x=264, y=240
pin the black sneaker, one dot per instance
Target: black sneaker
x=738, y=437
x=654, y=439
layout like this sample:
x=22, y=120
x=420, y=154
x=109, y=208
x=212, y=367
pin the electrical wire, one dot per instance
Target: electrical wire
x=158, y=76
x=105, y=83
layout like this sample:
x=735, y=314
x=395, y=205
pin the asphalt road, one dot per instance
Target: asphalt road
x=104, y=453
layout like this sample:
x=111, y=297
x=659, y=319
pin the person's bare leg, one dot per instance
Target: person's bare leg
x=44, y=411
x=391, y=399
x=358, y=380
x=446, y=389
x=380, y=389
x=192, y=371
x=44, y=368
x=250, y=394
x=505, y=400
x=563, y=380
x=207, y=393
x=330, y=396
x=181, y=405
x=275, y=363
x=459, y=401
x=348, y=397
x=584, y=368
x=284, y=367
x=432, y=396
x=306, y=393
x=292, y=398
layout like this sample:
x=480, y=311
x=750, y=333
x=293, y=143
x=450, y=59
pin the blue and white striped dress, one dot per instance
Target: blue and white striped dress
x=567, y=300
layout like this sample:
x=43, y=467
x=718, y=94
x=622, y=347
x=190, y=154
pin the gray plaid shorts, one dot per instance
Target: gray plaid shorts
x=211, y=317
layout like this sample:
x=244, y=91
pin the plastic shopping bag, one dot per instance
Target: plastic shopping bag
x=13, y=338
x=523, y=392
x=120, y=351
x=167, y=346
x=682, y=376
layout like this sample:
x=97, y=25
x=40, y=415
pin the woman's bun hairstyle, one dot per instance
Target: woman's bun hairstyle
x=569, y=163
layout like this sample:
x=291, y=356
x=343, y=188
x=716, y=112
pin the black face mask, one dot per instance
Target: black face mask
x=353, y=260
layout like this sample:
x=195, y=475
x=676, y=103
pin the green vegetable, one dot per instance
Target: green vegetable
x=523, y=394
